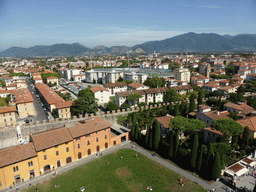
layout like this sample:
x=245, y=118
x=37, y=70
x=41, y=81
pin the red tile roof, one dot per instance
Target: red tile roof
x=7, y=109
x=62, y=105
x=164, y=120
x=98, y=88
x=23, y=96
x=135, y=85
x=16, y=154
x=88, y=126
x=48, y=139
x=248, y=121
x=121, y=84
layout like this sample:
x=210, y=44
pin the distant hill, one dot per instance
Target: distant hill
x=189, y=42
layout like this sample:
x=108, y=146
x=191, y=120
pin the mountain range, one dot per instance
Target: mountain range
x=188, y=42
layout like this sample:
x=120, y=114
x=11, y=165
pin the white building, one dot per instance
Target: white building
x=116, y=87
x=136, y=77
x=120, y=97
x=70, y=73
x=103, y=75
x=101, y=94
x=210, y=87
x=137, y=86
x=155, y=95
x=182, y=74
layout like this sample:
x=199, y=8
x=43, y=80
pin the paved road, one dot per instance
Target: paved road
x=216, y=185
x=40, y=114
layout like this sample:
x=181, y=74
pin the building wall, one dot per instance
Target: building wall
x=102, y=96
x=7, y=119
x=114, y=90
x=84, y=147
x=205, y=119
x=52, y=158
x=25, y=109
x=64, y=113
x=23, y=171
x=116, y=140
x=53, y=81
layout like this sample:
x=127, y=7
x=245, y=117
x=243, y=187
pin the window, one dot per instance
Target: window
x=0, y=184
x=4, y=115
x=45, y=157
x=66, y=110
x=78, y=145
x=10, y=119
x=30, y=163
x=15, y=169
x=44, y=150
x=88, y=142
x=57, y=153
x=97, y=139
x=10, y=114
x=61, y=111
x=4, y=120
x=56, y=146
x=87, y=135
x=67, y=149
x=96, y=132
x=105, y=129
x=78, y=138
x=66, y=143
x=106, y=136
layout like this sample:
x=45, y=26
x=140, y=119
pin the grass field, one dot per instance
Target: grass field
x=130, y=173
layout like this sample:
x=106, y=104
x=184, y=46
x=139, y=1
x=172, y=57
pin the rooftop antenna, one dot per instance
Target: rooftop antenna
x=186, y=60
x=128, y=55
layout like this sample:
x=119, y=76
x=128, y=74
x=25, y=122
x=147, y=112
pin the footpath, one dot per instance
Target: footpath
x=218, y=186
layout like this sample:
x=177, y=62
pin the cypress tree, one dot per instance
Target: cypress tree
x=137, y=132
x=176, y=110
x=200, y=98
x=156, y=135
x=147, y=137
x=134, y=122
x=216, y=167
x=176, y=144
x=209, y=154
x=192, y=104
x=200, y=158
x=194, y=152
x=171, y=146
x=245, y=137
x=150, y=142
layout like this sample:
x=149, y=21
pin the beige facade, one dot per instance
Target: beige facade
x=25, y=109
x=7, y=116
x=182, y=74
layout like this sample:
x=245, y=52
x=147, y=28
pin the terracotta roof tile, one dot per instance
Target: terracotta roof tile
x=48, y=139
x=62, y=105
x=213, y=130
x=181, y=87
x=127, y=93
x=164, y=120
x=88, y=126
x=7, y=109
x=16, y=154
x=236, y=167
x=121, y=84
x=23, y=96
x=135, y=85
x=98, y=88
x=156, y=90
x=248, y=121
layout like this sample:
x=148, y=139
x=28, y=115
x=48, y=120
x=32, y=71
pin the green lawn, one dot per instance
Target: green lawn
x=130, y=173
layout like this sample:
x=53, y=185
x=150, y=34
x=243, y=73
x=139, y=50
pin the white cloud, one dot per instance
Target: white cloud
x=209, y=6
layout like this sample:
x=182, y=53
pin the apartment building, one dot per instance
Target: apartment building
x=101, y=94
x=7, y=116
x=120, y=97
x=182, y=74
x=24, y=102
x=103, y=75
x=137, y=86
x=63, y=109
x=136, y=77
x=52, y=80
x=182, y=89
x=155, y=95
x=116, y=87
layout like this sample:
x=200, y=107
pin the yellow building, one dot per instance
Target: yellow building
x=63, y=109
x=52, y=80
x=7, y=116
x=24, y=102
x=17, y=164
x=54, y=148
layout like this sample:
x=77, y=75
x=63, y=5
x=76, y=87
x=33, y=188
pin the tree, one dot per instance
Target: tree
x=147, y=137
x=192, y=105
x=155, y=82
x=231, y=81
x=133, y=97
x=171, y=145
x=137, y=132
x=209, y=154
x=85, y=92
x=233, y=115
x=171, y=96
x=245, y=137
x=84, y=105
x=180, y=123
x=227, y=126
x=216, y=167
x=111, y=106
x=156, y=135
x=133, y=129
x=3, y=83
x=195, y=125
x=200, y=158
x=150, y=143
x=236, y=97
x=176, y=144
x=194, y=152
x=200, y=97
x=176, y=110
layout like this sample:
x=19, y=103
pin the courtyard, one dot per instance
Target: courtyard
x=123, y=170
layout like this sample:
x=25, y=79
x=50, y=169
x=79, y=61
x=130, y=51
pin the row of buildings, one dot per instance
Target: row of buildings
x=55, y=148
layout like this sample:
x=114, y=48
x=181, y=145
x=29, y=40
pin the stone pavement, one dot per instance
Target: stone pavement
x=220, y=187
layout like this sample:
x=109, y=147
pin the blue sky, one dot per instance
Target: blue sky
x=27, y=23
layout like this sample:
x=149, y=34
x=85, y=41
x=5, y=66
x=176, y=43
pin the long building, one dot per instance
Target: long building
x=52, y=149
